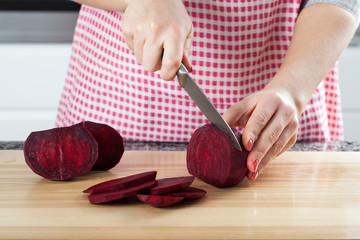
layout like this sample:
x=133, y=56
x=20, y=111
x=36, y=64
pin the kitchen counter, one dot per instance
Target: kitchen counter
x=353, y=146
x=301, y=195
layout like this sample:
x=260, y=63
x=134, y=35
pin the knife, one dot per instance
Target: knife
x=204, y=104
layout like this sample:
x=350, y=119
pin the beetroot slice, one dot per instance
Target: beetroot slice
x=111, y=146
x=121, y=183
x=103, y=197
x=167, y=185
x=212, y=157
x=189, y=192
x=60, y=153
x=159, y=201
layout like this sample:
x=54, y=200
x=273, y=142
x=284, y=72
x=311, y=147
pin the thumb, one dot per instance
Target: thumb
x=239, y=114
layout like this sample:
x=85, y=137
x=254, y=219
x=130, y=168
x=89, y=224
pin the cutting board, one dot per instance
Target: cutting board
x=300, y=195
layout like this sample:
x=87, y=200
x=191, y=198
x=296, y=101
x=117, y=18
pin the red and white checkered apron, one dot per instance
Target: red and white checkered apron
x=237, y=48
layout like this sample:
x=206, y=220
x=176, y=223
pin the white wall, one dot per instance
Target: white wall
x=31, y=80
x=349, y=71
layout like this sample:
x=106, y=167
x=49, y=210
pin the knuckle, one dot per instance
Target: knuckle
x=259, y=155
x=150, y=67
x=174, y=29
x=154, y=29
x=293, y=139
x=171, y=63
x=273, y=135
x=261, y=119
x=290, y=112
x=278, y=147
x=166, y=76
x=294, y=124
x=126, y=31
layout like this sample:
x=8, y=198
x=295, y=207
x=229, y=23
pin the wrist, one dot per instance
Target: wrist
x=290, y=86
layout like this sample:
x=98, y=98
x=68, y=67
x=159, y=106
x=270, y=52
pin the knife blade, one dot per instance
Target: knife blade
x=204, y=104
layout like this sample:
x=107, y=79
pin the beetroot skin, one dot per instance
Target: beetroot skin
x=67, y=152
x=61, y=153
x=212, y=158
x=111, y=146
x=189, y=192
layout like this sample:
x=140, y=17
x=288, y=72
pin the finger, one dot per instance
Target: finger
x=139, y=42
x=187, y=52
x=151, y=60
x=266, y=140
x=186, y=62
x=259, y=118
x=173, y=53
x=284, y=142
x=128, y=35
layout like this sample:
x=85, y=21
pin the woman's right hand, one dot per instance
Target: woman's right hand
x=153, y=26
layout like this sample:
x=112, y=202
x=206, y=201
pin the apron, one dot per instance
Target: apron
x=237, y=48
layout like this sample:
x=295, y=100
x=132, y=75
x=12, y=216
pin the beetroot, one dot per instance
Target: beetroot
x=189, y=192
x=167, y=185
x=212, y=157
x=159, y=201
x=111, y=146
x=121, y=183
x=103, y=197
x=61, y=153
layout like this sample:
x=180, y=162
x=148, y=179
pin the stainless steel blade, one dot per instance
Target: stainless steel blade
x=204, y=104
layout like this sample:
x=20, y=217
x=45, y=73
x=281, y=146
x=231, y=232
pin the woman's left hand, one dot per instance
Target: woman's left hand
x=270, y=121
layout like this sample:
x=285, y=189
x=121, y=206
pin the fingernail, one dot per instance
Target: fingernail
x=191, y=69
x=254, y=175
x=256, y=165
x=250, y=144
x=192, y=133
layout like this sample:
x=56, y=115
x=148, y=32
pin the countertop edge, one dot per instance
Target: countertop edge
x=335, y=146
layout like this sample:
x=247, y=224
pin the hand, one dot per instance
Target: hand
x=270, y=123
x=151, y=26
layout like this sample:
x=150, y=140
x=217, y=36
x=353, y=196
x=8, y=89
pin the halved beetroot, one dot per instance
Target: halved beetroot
x=158, y=200
x=61, y=153
x=103, y=197
x=212, y=157
x=167, y=185
x=189, y=192
x=111, y=146
x=121, y=183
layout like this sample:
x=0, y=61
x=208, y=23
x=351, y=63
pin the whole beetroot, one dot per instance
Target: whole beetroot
x=212, y=158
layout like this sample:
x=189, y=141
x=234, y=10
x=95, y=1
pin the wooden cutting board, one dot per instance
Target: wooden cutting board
x=300, y=195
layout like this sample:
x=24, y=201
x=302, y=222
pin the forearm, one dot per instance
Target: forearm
x=117, y=5
x=321, y=33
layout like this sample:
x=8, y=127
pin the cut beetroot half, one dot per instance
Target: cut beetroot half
x=61, y=153
x=189, y=192
x=121, y=183
x=167, y=185
x=111, y=146
x=104, y=197
x=158, y=200
x=212, y=157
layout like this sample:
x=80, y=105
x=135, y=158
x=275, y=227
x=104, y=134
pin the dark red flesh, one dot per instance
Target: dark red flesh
x=158, y=200
x=121, y=183
x=111, y=146
x=61, y=153
x=104, y=197
x=189, y=192
x=167, y=185
x=212, y=158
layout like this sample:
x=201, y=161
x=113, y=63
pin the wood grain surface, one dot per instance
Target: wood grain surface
x=301, y=195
